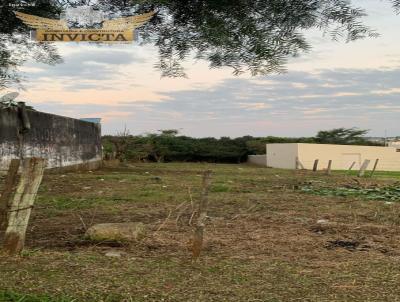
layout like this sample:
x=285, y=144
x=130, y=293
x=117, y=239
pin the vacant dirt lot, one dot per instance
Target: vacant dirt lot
x=266, y=239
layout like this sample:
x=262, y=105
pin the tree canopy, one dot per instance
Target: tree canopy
x=255, y=36
x=342, y=136
x=167, y=145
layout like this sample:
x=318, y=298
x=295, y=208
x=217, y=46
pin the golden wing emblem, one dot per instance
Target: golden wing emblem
x=42, y=23
x=127, y=23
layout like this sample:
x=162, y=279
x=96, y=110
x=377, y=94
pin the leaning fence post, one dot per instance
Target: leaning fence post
x=5, y=197
x=363, y=167
x=351, y=167
x=315, y=167
x=329, y=169
x=299, y=165
x=375, y=166
x=19, y=209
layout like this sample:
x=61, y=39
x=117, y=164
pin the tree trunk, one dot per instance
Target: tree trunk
x=5, y=198
x=19, y=210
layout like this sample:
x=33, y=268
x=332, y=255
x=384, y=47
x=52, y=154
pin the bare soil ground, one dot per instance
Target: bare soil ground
x=265, y=239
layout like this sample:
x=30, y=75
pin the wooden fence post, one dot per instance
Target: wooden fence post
x=5, y=198
x=299, y=165
x=19, y=209
x=315, y=167
x=375, y=166
x=364, y=166
x=201, y=221
x=351, y=166
x=329, y=169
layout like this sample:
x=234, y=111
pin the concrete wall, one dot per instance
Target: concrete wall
x=258, y=160
x=342, y=156
x=282, y=156
x=63, y=141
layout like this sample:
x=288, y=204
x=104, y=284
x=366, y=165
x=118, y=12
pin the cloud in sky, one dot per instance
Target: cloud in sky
x=335, y=85
x=293, y=104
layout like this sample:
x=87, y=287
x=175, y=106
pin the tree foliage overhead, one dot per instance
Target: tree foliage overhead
x=255, y=36
x=15, y=43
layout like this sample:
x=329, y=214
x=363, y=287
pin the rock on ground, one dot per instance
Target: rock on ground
x=114, y=254
x=128, y=231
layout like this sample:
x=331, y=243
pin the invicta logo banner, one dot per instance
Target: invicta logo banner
x=69, y=28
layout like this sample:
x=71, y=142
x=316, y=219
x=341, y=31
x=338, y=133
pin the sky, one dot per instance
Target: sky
x=334, y=85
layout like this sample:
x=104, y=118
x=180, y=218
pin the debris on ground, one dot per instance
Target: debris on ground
x=129, y=231
x=387, y=193
x=113, y=254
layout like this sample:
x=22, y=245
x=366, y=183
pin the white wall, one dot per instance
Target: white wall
x=258, y=160
x=343, y=156
x=282, y=155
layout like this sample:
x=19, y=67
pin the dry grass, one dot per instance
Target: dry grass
x=263, y=242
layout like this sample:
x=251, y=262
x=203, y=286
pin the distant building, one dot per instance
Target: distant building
x=302, y=156
x=377, y=140
x=395, y=144
x=382, y=140
x=95, y=120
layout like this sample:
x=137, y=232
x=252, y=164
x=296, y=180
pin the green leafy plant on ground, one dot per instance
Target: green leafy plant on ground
x=389, y=193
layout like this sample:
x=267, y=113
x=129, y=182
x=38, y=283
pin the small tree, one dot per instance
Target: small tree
x=169, y=132
x=349, y=136
x=118, y=144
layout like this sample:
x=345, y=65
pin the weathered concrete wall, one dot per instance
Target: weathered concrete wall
x=62, y=141
x=258, y=160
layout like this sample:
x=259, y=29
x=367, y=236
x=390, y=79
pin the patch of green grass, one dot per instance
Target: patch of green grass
x=387, y=174
x=68, y=203
x=150, y=193
x=10, y=296
x=377, y=174
x=120, y=176
x=220, y=188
